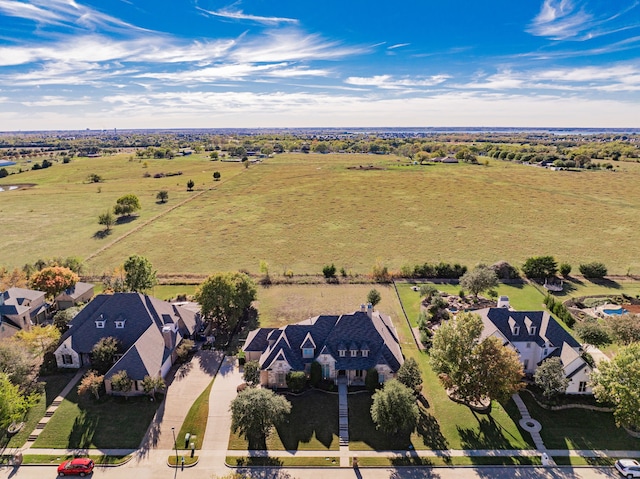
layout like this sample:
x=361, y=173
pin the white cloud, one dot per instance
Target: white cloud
x=279, y=109
x=63, y=12
x=570, y=20
x=398, y=45
x=231, y=14
x=390, y=82
x=279, y=46
x=49, y=101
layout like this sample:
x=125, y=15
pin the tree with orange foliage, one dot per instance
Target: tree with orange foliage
x=54, y=280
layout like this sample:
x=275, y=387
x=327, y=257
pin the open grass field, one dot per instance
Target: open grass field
x=285, y=304
x=299, y=212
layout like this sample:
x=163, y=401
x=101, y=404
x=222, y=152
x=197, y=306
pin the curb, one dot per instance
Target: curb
x=181, y=466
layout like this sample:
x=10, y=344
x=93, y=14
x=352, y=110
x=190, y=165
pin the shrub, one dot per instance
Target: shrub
x=315, y=374
x=565, y=269
x=505, y=271
x=380, y=273
x=329, y=271
x=371, y=380
x=296, y=380
x=251, y=373
x=540, y=267
x=428, y=290
x=558, y=309
x=593, y=270
x=184, y=349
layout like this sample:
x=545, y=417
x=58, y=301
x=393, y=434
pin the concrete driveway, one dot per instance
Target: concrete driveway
x=185, y=383
x=224, y=391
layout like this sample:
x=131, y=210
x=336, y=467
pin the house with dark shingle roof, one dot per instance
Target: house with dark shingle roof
x=76, y=294
x=148, y=329
x=536, y=336
x=21, y=308
x=345, y=346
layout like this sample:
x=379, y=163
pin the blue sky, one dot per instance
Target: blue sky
x=68, y=64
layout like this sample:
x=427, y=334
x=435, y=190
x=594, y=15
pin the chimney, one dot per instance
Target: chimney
x=369, y=309
x=169, y=335
x=363, y=308
x=503, y=302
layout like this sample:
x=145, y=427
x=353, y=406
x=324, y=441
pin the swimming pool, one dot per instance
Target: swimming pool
x=614, y=311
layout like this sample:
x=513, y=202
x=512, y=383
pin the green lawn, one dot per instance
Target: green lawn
x=579, y=429
x=243, y=461
x=523, y=297
x=448, y=461
x=111, y=422
x=195, y=423
x=53, y=385
x=311, y=425
x=299, y=212
x=575, y=288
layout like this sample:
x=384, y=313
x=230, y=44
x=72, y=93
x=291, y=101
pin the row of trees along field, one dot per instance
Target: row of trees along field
x=523, y=146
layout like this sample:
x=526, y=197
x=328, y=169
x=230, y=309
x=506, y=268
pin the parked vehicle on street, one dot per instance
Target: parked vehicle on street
x=629, y=468
x=80, y=466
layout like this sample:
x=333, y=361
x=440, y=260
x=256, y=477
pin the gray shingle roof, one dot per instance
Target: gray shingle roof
x=331, y=334
x=141, y=337
x=546, y=326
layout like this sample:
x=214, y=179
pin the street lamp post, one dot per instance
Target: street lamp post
x=175, y=445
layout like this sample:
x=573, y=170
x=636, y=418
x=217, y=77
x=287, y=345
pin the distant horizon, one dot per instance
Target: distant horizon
x=70, y=65
x=348, y=129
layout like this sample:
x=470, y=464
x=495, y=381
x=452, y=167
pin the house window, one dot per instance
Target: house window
x=365, y=353
x=99, y=324
x=526, y=364
x=307, y=353
x=528, y=345
x=582, y=387
x=516, y=330
x=343, y=353
x=67, y=359
x=354, y=353
x=326, y=371
x=533, y=330
x=359, y=373
x=119, y=324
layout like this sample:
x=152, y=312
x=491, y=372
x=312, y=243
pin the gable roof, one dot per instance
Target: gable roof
x=548, y=330
x=141, y=337
x=75, y=291
x=328, y=334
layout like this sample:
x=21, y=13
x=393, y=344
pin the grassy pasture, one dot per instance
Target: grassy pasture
x=300, y=212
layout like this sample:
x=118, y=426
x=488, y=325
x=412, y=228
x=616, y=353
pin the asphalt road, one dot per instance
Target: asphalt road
x=153, y=470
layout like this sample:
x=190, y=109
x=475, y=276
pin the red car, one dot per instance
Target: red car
x=80, y=465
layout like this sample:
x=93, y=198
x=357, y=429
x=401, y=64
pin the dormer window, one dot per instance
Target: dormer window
x=516, y=330
x=120, y=324
x=342, y=353
x=100, y=323
x=365, y=353
x=354, y=353
x=532, y=330
x=307, y=353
